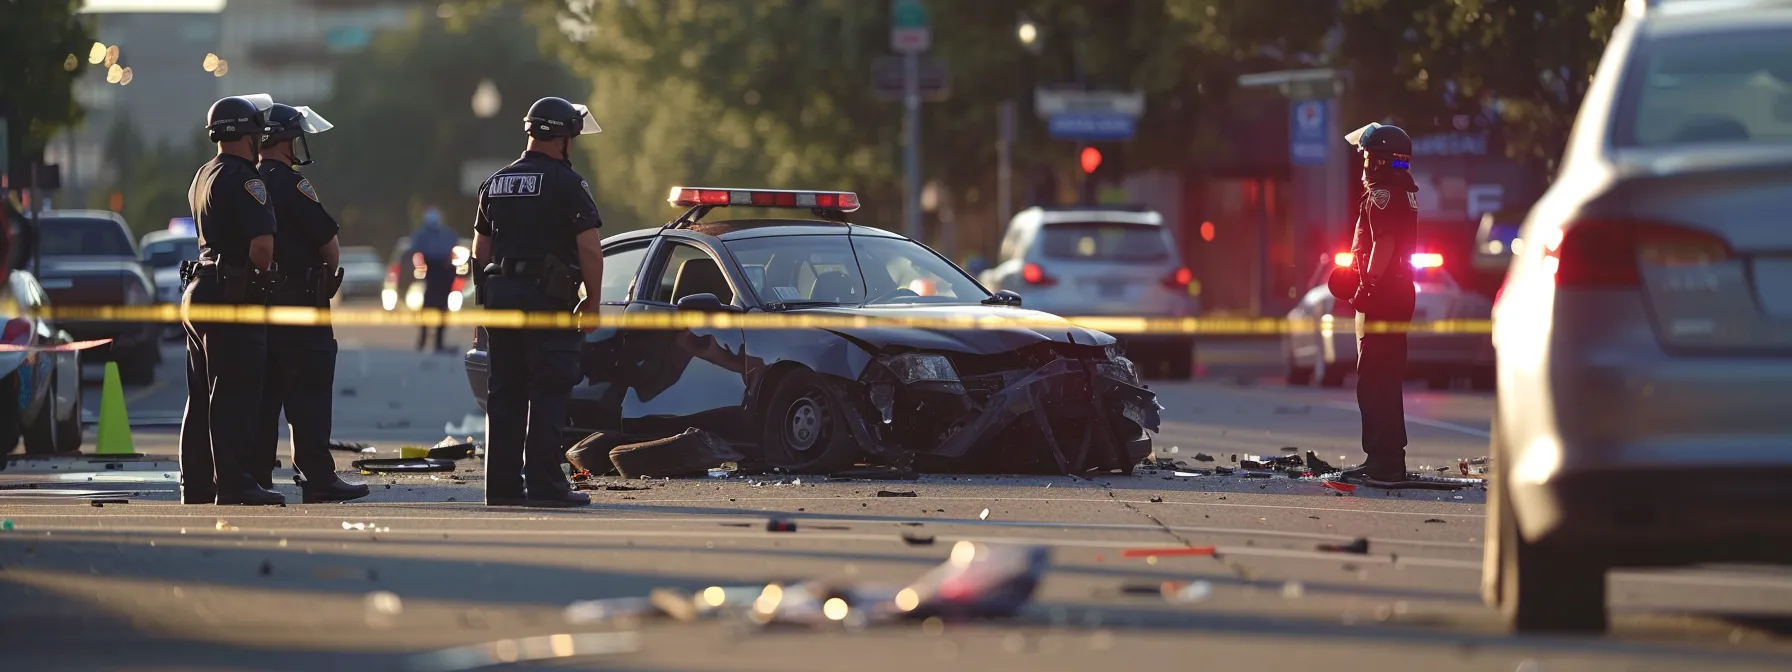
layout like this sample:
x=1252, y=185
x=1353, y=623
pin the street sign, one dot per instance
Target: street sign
x=1092, y=126
x=909, y=33
x=1307, y=144
x=1050, y=103
x=886, y=76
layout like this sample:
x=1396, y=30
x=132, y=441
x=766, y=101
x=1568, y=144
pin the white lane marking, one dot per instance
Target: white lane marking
x=1439, y=424
x=1241, y=551
x=748, y=501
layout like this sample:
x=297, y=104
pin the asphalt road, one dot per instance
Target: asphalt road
x=420, y=566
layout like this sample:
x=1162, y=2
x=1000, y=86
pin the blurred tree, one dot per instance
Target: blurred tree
x=405, y=122
x=1520, y=65
x=44, y=45
x=152, y=179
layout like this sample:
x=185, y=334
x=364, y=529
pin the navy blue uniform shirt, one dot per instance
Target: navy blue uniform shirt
x=536, y=207
x=304, y=225
x=231, y=207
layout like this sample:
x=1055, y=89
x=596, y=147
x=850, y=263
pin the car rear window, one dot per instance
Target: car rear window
x=1105, y=241
x=85, y=237
x=171, y=253
x=1733, y=86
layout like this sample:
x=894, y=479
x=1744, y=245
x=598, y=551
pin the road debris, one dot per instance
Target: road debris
x=351, y=447
x=267, y=568
x=916, y=539
x=1293, y=590
x=1434, y=520
x=224, y=525
x=893, y=493
x=623, y=488
x=1186, y=592
x=1339, y=486
x=1196, y=551
x=102, y=502
x=450, y=448
x=382, y=608
x=1358, y=547
x=6, y=525
x=691, y=453
x=775, y=525
x=1156, y=499
x=1203, y=457
x=403, y=465
x=984, y=515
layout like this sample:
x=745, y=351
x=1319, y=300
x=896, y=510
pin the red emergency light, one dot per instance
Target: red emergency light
x=837, y=201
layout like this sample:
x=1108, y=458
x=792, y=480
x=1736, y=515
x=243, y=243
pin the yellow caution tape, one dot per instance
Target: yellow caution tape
x=681, y=320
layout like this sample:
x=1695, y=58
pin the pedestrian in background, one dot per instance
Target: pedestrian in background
x=434, y=244
x=537, y=227
x=1386, y=234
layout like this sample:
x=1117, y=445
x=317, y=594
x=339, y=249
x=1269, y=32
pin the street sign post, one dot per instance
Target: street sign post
x=1092, y=127
x=909, y=36
x=909, y=32
x=887, y=76
x=1090, y=116
x=1307, y=144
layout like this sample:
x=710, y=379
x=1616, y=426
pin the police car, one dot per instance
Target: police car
x=1056, y=400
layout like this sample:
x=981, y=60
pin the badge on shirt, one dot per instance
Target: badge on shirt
x=258, y=190
x=305, y=188
x=1380, y=198
x=1412, y=199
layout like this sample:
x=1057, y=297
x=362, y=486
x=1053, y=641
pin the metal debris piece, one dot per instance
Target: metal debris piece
x=1359, y=547
x=775, y=525
x=916, y=539
x=978, y=581
x=1203, y=457
x=1434, y=520
x=1318, y=466
x=893, y=493
x=406, y=465
x=1156, y=499
x=598, y=611
x=1183, y=551
x=350, y=447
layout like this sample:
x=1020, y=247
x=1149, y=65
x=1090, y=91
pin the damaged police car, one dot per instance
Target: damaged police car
x=997, y=398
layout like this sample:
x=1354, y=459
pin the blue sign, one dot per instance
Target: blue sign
x=1093, y=126
x=1307, y=144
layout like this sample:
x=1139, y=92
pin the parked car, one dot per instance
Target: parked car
x=163, y=252
x=89, y=259
x=1327, y=353
x=815, y=400
x=406, y=272
x=1645, y=351
x=362, y=272
x=40, y=392
x=1102, y=260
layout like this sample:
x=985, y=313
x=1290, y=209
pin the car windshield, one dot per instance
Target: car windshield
x=169, y=253
x=359, y=257
x=1719, y=87
x=1105, y=241
x=85, y=237
x=850, y=270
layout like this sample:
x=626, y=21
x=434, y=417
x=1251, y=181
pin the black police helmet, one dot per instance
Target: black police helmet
x=232, y=119
x=556, y=118
x=1380, y=139
x=284, y=122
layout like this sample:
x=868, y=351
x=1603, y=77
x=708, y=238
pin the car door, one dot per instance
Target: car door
x=683, y=378
x=596, y=402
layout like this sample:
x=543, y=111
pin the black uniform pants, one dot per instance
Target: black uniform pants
x=301, y=377
x=438, y=283
x=533, y=372
x=1381, y=375
x=226, y=366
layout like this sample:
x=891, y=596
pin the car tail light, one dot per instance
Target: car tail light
x=1179, y=279
x=1034, y=275
x=1608, y=253
x=18, y=331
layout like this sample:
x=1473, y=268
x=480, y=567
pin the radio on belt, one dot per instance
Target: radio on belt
x=690, y=197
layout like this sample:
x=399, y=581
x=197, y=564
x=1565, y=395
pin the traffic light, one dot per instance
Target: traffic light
x=1090, y=159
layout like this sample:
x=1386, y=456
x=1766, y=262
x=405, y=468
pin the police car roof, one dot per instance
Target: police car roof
x=740, y=229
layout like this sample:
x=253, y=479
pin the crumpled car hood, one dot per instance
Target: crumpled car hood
x=983, y=340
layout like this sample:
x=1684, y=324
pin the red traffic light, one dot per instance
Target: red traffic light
x=1091, y=159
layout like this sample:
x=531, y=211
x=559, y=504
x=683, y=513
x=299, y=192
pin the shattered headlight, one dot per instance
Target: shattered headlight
x=1118, y=367
x=918, y=367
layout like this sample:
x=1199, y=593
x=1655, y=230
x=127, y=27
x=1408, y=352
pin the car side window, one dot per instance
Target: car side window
x=688, y=270
x=621, y=263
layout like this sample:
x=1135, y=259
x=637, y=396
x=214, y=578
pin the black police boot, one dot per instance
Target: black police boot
x=505, y=498
x=253, y=495
x=560, y=500
x=191, y=497
x=336, y=490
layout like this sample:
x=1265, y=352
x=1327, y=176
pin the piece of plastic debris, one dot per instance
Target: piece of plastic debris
x=721, y=473
x=1174, y=551
x=1203, y=457
x=892, y=493
x=1434, y=520
x=1339, y=486
x=984, y=515
x=916, y=539
x=403, y=465
x=1359, y=547
x=382, y=608
x=1192, y=591
x=1293, y=589
x=1185, y=473
x=1156, y=499
x=775, y=525
x=225, y=525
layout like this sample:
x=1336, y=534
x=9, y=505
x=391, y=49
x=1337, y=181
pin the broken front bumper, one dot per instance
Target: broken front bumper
x=1070, y=415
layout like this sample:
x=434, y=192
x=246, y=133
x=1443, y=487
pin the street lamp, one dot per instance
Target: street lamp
x=486, y=100
x=1028, y=33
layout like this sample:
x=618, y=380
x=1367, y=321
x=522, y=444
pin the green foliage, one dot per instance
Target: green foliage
x=37, y=37
x=153, y=179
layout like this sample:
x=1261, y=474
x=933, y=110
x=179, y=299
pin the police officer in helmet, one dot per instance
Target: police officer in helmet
x=226, y=361
x=535, y=240
x=1382, y=247
x=301, y=361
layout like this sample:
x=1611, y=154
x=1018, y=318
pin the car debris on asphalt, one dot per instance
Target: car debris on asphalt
x=1358, y=547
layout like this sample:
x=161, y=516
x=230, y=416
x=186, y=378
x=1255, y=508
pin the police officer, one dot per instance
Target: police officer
x=535, y=239
x=301, y=362
x=226, y=361
x=1382, y=248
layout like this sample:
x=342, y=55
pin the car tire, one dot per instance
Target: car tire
x=1538, y=589
x=9, y=414
x=139, y=368
x=805, y=432
x=1330, y=374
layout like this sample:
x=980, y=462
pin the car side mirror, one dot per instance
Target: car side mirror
x=1003, y=298
x=706, y=303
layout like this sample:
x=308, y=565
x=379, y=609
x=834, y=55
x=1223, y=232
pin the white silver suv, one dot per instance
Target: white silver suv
x=1644, y=333
x=1087, y=261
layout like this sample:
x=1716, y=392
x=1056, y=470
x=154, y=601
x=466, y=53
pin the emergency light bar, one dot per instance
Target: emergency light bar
x=836, y=201
x=1419, y=260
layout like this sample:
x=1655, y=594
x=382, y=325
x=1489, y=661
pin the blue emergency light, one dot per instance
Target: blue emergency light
x=183, y=226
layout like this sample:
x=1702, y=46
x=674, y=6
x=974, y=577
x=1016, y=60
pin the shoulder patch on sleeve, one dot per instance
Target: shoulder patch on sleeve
x=1412, y=199
x=257, y=189
x=1380, y=198
x=586, y=185
x=305, y=188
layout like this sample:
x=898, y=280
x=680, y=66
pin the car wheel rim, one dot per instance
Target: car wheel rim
x=803, y=423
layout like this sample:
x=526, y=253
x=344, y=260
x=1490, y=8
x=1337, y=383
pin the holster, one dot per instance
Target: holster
x=553, y=277
x=324, y=285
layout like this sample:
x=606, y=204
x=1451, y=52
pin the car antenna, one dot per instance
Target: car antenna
x=689, y=217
